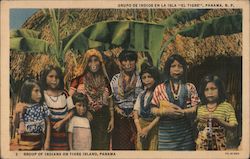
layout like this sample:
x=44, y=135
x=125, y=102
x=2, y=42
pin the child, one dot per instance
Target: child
x=145, y=122
x=32, y=116
x=79, y=127
x=59, y=104
x=214, y=115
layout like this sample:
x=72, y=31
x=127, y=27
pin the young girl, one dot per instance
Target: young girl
x=32, y=116
x=214, y=115
x=145, y=122
x=59, y=105
x=79, y=128
x=175, y=101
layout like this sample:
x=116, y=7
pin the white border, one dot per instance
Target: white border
x=6, y=5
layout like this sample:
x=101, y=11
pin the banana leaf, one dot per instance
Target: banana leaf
x=131, y=35
x=217, y=26
x=32, y=45
x=182, y=16
x=26, y=33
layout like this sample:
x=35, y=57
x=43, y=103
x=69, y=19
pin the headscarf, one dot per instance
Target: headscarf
x=87, y=56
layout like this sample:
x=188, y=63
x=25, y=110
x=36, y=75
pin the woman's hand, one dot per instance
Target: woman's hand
x=46, y=146
x=58, y=125
x=89, y=116
x=20, y=107
x=139, y=130
x=172, y=111
x=169, y=109
x=111, y=125
x=120, y=111
x=144, y=132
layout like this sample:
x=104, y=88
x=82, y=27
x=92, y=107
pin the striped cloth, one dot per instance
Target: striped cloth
x=224, y=112
x=59, y=107
x=30, y=141
x=125, y=102
x=80, y=129
x=175, y=134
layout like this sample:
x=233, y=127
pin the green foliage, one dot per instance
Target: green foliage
x=182, y=16
x=31, y=45
x=26, y=33
x=131, y=35
x=218, y=26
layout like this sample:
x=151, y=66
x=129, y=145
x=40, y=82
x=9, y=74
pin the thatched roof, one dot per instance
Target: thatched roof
x=194, y=50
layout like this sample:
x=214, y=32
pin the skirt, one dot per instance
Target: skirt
x=176, y=135
x=30, y=141
x=99, y=126
x=151, y=141
x=124, y=133
x=59, y=139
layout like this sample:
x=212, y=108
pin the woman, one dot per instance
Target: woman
x=125, y=86
x=94, y=82
x=175, y=101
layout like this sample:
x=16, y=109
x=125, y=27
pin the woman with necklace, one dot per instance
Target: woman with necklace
x=175, y=102
x=125, y=86
x=94, y=82
x=214, y=115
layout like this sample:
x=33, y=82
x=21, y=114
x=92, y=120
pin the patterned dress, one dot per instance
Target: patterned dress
x=143, y=106
x=176, y=134
x=97, y=90
x=124, y=96
x=211, y=135
x=80, y=128
x=34, y=127
x=59, y=107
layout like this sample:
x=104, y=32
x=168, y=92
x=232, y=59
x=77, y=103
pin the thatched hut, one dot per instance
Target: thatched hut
x=220, y=54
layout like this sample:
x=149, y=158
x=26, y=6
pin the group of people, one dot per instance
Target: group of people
x=130, y=111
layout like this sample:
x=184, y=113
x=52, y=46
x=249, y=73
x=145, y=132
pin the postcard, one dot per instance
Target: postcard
x=125, y=79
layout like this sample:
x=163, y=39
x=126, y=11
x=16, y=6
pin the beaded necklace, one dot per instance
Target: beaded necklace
x=175, y=92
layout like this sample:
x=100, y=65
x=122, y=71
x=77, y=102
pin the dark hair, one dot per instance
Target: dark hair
x=181, y=60
x=45, y=73
x=127, y=55
x=79, y=97
x=153, y=71
x=26, y=91
x=218, y=83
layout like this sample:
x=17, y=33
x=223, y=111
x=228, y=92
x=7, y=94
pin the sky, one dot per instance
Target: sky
x=19, y=16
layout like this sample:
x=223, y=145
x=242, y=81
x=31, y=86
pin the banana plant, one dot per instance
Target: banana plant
x=224, y=25
x=131, y=35
x=30, y=41
x=182, y=16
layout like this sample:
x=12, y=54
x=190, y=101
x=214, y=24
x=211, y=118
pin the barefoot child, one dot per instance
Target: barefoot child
x=32, y=116
x=214, y=116
x=59, y=104
x=79, y=128
x=145, y=122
